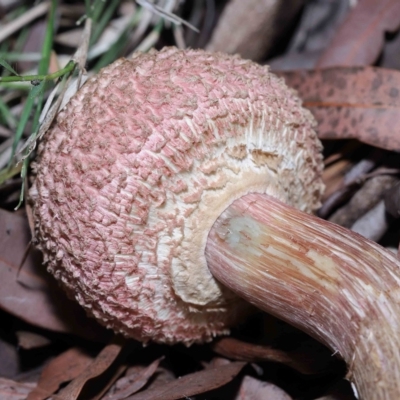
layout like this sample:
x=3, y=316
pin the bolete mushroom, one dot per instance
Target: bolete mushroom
x=154, y=151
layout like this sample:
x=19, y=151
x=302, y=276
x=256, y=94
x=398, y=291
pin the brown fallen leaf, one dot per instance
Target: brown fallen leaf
x=64, y=368
x=32, y=294
x=360, y=38
x=360, y=103
x=192, y=384
x=132, y=384
x=300, y=361
x=99, y=365
x=253, y=389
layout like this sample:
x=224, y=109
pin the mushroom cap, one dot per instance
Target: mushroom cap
x=130, y=179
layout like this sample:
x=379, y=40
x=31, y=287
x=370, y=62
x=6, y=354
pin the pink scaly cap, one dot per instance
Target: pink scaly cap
x=139, y=165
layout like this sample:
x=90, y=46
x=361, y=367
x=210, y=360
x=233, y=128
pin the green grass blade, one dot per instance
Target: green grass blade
x=102, y=23
x=97, y=9
x=117, y=48
x=7, y=66
x=7, y=115
x=16, y=56
x=8, y=173
x=37, y=90
x=26, y=112
x=48, y=41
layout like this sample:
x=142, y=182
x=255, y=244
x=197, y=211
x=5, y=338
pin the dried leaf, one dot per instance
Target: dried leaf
x=238, y=350
x=362, y=201
x=333, y=176
x=33, y=295
x=217, y=362
x=132, y=384
x=160, y=378
x=251, y=28
x=392, y=201
x=390, y=53
x=64, y=368
x=102, y=362
x=12, y=390
x=352, y=103
x=10, y=365
x=29, y=340
x=115, y=374
x=318, y=24
x=253, y=389
x=192, y=384
x=373, y=224
x=360, y=39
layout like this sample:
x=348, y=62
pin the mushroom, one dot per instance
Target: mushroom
x=170, y=160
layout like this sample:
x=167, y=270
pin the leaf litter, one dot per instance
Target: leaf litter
x=64, y=368
x=352, y=103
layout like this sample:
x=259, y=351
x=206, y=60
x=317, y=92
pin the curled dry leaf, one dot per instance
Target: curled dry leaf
x=192, y=384
x=352, y=103
x=64, y=368
x=300, y=361
x=360, y=39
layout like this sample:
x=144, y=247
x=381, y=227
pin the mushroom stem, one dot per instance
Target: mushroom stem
x=330, y=282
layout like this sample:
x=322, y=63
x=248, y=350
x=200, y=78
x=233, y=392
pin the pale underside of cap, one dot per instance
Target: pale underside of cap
x=137, y=168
